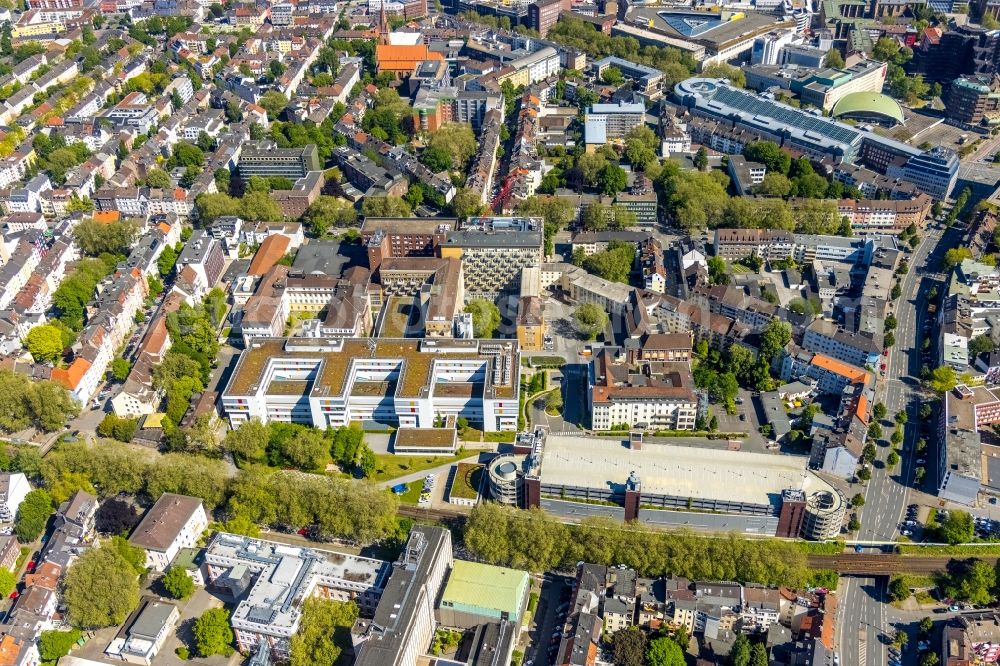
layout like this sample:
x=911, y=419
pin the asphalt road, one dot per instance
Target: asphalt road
x=862, y=611
x=862, y=625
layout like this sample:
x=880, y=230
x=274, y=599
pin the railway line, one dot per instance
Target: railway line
x=850, y=564
x=884, y=565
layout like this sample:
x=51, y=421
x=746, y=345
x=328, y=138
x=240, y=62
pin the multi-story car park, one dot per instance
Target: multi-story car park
x=405, y=382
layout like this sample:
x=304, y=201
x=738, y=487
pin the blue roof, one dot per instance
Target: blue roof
x=692, y=25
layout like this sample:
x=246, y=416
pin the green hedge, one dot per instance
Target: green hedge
x=499, y=436
x=821, y=547
x=986, y=549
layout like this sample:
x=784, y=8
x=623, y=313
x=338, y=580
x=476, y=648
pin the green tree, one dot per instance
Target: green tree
x=274, y=103
x=612, y=179
x=943, y=379
x=721, y=70
x=892, y=459
x=665, y=652
x=774, y=338
x=740, y=652
x=759, y=656
x=120, y=368
x=177, y=583
x=457, y=141
x=133, y=555
x=97, y=238
x=467, y=203
x=770, y=155
x=957, y=528
x=858, y=500
x=485, y=317
x=248, y=442
x=834, y=59
x=53, y=644
x=718, y=270
x=324, y=632
x=775, y=184
x=955, y=256
x=591, y=319
x=100, y=589
x=629, y=647
x=158, y=178
x=32, y=514
x=982, y=344
x=898, y=589
x=701, y=159
x=308, y=450
x=45, y=343
x=879, y=411
x=385, y=207
x=973, y=581
x=327, y=212
x=212, y=633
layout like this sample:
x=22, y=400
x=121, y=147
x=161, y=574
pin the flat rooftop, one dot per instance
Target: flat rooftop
x=677, y=471
x=702, y=27
x=333, y=359
x=472, y=585
x=284, y=577
x=427, y=438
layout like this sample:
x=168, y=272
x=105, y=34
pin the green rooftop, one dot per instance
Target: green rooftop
x=869, y=103
x=483, y=589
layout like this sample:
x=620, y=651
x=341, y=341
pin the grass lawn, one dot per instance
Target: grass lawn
x=739, y=268
x=25, y=552
x=412, y=494
x=468, y=476
x=391, y=466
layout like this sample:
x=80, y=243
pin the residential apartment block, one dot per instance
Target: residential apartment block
x=173, y=523
x=658, y=394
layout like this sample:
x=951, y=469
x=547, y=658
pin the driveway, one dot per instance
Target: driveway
x=191, y=609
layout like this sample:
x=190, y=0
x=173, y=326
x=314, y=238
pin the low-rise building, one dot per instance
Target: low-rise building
x=144, y=632
x=272, y=580
x=174, y=522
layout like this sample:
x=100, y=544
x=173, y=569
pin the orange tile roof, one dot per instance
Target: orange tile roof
x=403, y=56
x=70, y=377
x=46, y=576
x=10, y=648
x=847, y=370
x=862, y=411
x=106, y=216
x=164, y=227
x=270, y=251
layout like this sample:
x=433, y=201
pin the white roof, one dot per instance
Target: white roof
x=680, y=471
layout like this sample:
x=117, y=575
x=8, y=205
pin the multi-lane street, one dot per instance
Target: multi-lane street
x=862, y=601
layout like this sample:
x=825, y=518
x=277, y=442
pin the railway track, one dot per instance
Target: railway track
x=871, y=564
x=878, y=565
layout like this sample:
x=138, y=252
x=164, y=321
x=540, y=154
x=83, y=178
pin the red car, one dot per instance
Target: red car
x=31, y=566
x=885, y=352
x=883, y=367
x=14, y=595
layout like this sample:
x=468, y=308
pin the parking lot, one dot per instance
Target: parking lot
x=550, y=616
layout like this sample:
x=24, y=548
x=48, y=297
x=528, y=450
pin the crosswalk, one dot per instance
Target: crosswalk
x=862, y=646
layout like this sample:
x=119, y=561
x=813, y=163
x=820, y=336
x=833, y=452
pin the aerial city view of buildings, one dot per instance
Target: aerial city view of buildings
x=500, y=332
